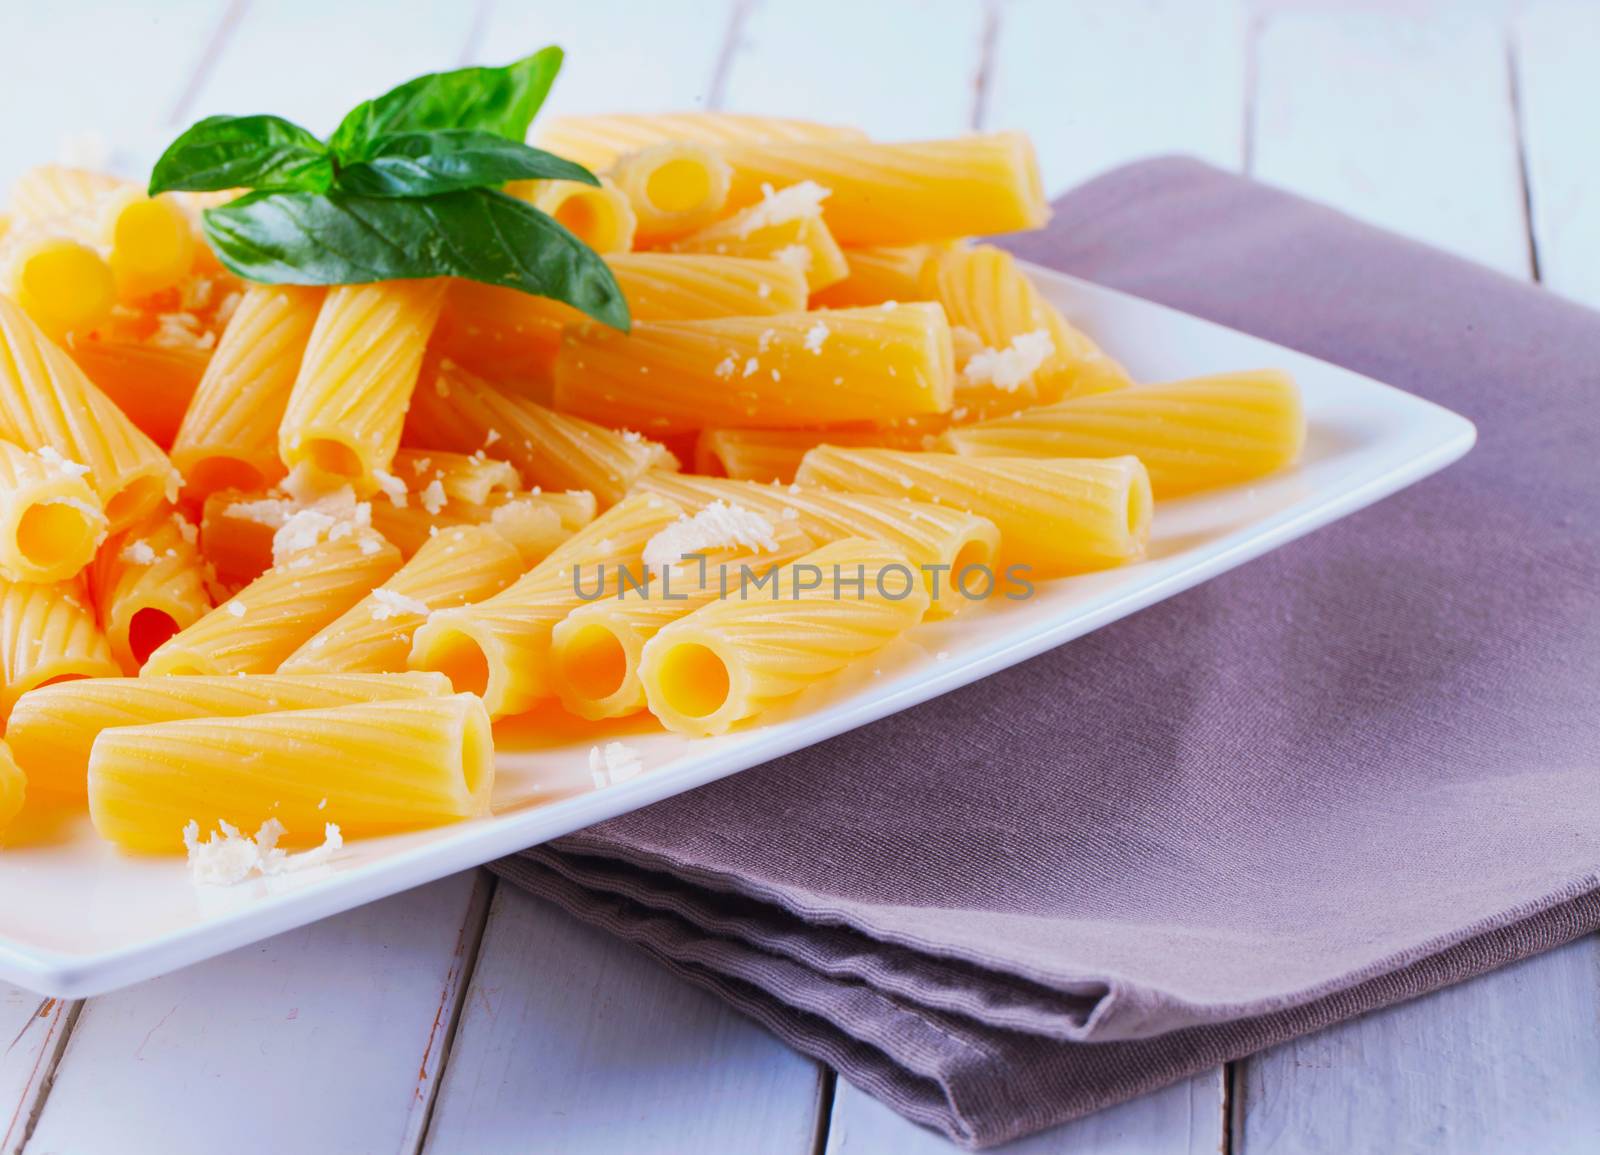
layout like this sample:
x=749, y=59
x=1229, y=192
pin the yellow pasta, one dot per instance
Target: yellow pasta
x=349, y=401
x=598, y=215
x=500, y=647
x=152, y=384
x=261, y=625
x=50, y=520
x=52, y=728
x=47, y=634
x=148, y=584
x=454, y=568
x=49, y=191
x=797, y=237
x=468, y=477
x=691, y=287
x=798, y=369
x=372, y=768
x=775, y=454
x=902, y=193
x=464, y=413
x=1191, y=435
x=229, y=434
x=45, y=400
x=62, y=283
x=941, y=541
x=236, y=530
x=597, y=141
x=881, y=273
x=13, y=788
x=151, y=241
x=534, y=523
x=674, y=188
x=735, y=658
x=1028, y=350
x=594, y=650
x=501, y=334
x=1057, y=515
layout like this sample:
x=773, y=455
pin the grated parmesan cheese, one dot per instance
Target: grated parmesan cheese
x=433, y=497
x=391, y=487
x=815, y=336
x=237, y=609
x=58, y=466
x=227, y=857
x=613, y=762
x=1009, y=369
x=391, y=604
x=138, y=553
x=726, y=367
x=795, y=256
x=780, y=206
x=717, y=526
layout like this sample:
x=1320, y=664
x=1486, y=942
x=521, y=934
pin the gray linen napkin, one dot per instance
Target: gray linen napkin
x=1356, y=770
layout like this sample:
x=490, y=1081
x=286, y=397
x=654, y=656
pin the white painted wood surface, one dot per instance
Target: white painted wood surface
x=569, y=1041
x=573, y=1041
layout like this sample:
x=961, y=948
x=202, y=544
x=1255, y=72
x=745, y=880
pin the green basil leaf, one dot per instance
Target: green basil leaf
x=501, y=101
x=479, y=234
x=414, y=164
x=223, y=152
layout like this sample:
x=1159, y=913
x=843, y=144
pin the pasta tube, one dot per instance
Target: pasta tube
x=737, y=657
x=775, y=454
x=457, y=566
x=881, y=273
x=45, y=400
x=50, y=520
x=691, y=287
x=597, y=141
x=500, y=333
x=229, y=434
x=349, y=400
x=903, y=193
x=1192, y=435
x=236, y=531
x=372, y=768
x=594, y=650
x=47, y=634
x=941, y=542
x=469, y=477
x=798, y=369
x=674, y=188
x=551, y=450
x=598, y=215
x=152, y=384
x=261, y=625
x=151, y=241
x=534, y=523
x=1028, y=350
x=53, y=727
x=1058, y=515
x=148, y=584
x=499, y=648
x=790, y=230
x=63, y=284
x=13, y=788
x=50, y=191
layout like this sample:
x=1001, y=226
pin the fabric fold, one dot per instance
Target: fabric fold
x=1345, y=774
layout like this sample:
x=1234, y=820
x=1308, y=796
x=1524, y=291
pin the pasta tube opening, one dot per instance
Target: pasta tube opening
x=218, y=472
x=674, y=188
x=692, y=682
x=591, y=663
x=598, y=215
x=63, y=285
x=453, y=651
x=132, y=499
x=152, y=246
x=149, y=627
x=58, y=537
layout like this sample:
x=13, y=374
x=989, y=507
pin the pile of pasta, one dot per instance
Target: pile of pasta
x=284, y=553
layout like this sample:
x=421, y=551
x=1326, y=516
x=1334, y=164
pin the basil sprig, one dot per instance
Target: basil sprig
x=406, y=187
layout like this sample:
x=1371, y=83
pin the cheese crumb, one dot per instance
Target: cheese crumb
x=780, y=206
x=717, y=526
x=58, y=466
x=815, y=336
x=227, y=857
x=237, y=609
x=1009, y=369
x=138, y=553
x=391, y=487
x=391, y=604
x=795, y=256
x=433, y=496
x=726, y=367
x=614, y=762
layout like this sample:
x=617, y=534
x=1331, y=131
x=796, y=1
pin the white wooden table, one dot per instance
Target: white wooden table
x=458, y=1018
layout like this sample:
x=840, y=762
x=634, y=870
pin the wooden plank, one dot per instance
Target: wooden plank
x=1098, y=85
x=1402, y=120
x=573, y=1041
x=1506, y=1062
x=67, y=73
x=32, y=1030
x=901, y=69
x=622, y=56
x=1184, y=1119
x=1556, y=49
x=311, y=61
x=328, y=1038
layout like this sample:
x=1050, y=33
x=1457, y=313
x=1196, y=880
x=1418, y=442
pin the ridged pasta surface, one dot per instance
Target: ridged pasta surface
x=689, y=286
x=372, y=768
x=153, y=384
x=148, y=584
x=53, y=727
x=597, y=141
x=47, y=632
x=803, y=242
x=50, y=520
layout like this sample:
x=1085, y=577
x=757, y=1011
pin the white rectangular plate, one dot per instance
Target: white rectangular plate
x=77, y=918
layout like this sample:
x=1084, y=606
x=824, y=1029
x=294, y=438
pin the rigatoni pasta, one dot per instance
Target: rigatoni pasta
x=597, y=141
x=153, y=384
x=52, y=728
x=786, y=227
x=372, y=768
x=48, y=634
x=51, y=522
x=13, y=788
x=598, y=215
x=674, y=188
x=149, y=584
